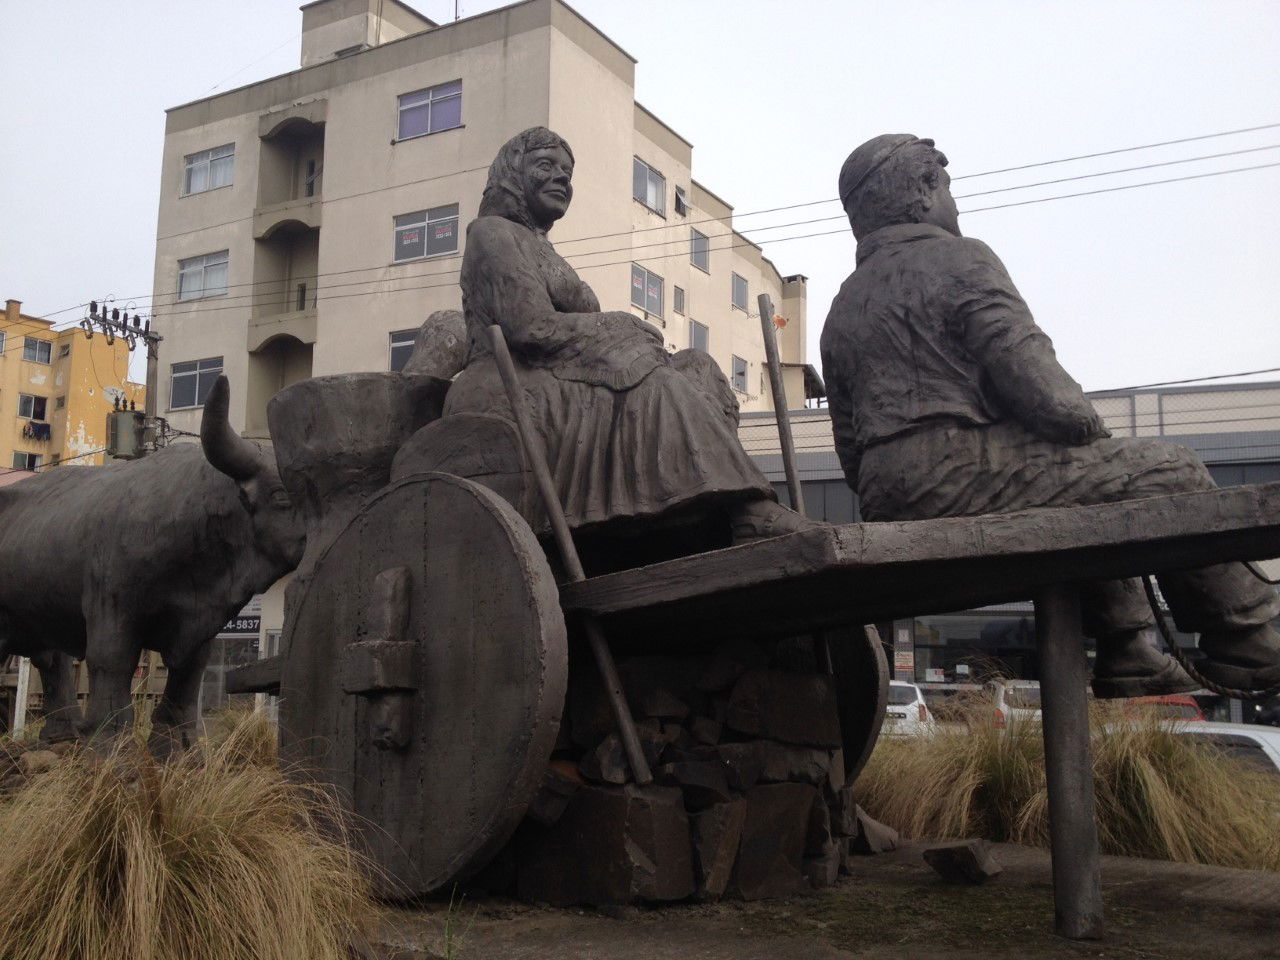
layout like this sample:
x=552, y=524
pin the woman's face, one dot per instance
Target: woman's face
x=548, y=173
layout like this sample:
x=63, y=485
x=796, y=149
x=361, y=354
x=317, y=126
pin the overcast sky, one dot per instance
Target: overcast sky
x=1160, y=283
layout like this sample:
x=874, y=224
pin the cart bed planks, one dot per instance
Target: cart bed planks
x=880, y=571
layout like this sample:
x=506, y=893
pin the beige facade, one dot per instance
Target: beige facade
x=283, y=261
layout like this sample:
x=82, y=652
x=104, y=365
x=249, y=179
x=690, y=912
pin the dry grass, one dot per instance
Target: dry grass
x=214, y=856
x=1159, y=795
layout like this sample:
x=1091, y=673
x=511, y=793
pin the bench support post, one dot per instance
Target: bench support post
x=1073, y=830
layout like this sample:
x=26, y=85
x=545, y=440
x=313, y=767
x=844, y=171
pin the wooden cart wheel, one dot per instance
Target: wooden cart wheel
x=425, y=676
x=862, y=691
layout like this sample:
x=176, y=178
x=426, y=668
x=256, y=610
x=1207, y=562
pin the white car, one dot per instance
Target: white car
x=907, y=713
x=1250, y=742
x=1014, y=700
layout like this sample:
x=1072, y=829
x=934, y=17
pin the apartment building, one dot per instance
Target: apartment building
x=310, y=222
x=56, y=389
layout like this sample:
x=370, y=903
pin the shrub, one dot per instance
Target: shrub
x=1159, y=795
x=214, y=855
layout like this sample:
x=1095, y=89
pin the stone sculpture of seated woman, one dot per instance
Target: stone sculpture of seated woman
x=627, y=435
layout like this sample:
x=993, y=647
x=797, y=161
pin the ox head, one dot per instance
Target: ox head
x=277, y=527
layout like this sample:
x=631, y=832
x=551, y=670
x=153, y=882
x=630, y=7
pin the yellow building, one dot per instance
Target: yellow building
x=56, y=389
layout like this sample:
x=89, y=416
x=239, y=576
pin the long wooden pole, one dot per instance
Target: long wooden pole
x=1068, y=768
x=569, y=554
x=783, y=419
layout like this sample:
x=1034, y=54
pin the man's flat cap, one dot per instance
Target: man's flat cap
x=868, y=158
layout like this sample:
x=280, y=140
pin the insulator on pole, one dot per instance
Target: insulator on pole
x=115, y=314
x=93, y=307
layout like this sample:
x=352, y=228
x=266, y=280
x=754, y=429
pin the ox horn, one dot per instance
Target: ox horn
x=224, y=448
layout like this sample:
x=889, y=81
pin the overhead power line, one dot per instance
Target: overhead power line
x=560, y=242
x=577, y=257
x=823, y=233
x=429, y=286
x=1108, y=173
x=1108, y=153
x=1130, y=186
x=1177, y=383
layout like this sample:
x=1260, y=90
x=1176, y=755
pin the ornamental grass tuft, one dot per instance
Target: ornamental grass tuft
x=213, y=856
x=1159, y=795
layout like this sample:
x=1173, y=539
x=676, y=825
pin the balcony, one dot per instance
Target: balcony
x=265, y=327
x=294, y=216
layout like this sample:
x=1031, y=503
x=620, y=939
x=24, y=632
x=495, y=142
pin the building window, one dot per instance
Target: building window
x=699, y=250
x=402, y=348
x=682, y=202
x=430, y=110
x=646, y=290
x=64, y=351
x=25, y=461
x=739, y=378
x=37, y=351
x=209, y=169
x=426, y=233
x=648, y=186
x=699, y=336
x=739, y=296
x=204, y=276
x=191, y=381
x=33, y=408
x=677, y=300
x=1, y=343
x=59, y=402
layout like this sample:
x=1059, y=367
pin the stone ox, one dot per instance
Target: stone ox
x=157, y=554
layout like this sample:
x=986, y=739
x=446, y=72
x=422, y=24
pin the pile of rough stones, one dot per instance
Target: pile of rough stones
x=749, y=799
x=20, y=762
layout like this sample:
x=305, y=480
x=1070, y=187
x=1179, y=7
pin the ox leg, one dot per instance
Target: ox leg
x=57, y=680
x=174, y=720
x=111, y=661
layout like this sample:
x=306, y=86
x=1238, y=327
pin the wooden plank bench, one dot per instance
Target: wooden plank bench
x=862, y=573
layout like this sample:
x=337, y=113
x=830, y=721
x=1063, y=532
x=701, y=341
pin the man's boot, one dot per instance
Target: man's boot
x=1129, y=666
x=1247, y=659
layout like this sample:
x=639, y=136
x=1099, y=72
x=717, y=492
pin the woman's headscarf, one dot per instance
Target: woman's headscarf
x=504, y=193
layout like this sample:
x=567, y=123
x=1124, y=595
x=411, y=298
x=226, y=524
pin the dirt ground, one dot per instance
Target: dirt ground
x=893, y=906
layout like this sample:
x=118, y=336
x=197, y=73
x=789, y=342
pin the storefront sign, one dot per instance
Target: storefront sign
x=242, y=627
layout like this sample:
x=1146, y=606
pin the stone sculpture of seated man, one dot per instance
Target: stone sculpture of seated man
x=947, y=400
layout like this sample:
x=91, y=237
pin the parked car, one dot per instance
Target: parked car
x=907, y=714
x=1250, y=742
x=1014, y=700
x=1175, y=706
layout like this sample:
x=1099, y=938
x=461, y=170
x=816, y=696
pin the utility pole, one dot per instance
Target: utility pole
x=146, y=428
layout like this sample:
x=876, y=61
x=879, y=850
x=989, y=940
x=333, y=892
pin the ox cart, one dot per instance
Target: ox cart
x=427, y=639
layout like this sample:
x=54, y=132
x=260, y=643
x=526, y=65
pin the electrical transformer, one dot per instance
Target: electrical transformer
x=124, y=434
